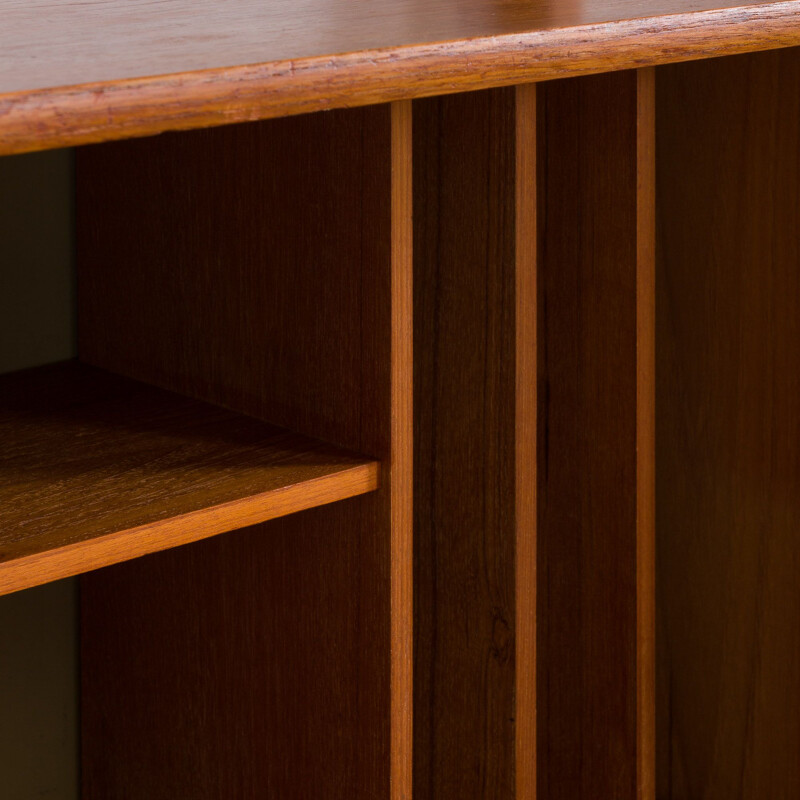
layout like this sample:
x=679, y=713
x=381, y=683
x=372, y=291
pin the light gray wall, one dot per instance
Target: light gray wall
x=37, y=276
x=38, y=627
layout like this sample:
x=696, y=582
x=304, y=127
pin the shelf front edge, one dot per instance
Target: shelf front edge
x=59, y=117
x=102, y=551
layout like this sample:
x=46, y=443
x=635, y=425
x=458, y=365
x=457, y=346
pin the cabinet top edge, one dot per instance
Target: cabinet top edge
x=112, y=69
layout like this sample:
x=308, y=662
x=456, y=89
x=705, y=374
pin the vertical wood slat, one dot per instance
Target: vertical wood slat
x=526, y=442
x=402, y=458
x=646, y=436
x=257, y=266
x=595, y=456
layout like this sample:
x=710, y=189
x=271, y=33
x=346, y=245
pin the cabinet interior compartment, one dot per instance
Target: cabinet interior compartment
x=234, y=366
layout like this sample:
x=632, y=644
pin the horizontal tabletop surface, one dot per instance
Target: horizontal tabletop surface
x=99, y=69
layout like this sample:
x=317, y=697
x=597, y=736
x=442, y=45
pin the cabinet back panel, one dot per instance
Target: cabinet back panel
x=728, y=485
x=248, y=266
x=465, y=525
x=595, y=458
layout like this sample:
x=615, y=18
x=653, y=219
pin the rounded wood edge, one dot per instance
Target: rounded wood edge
x=69, y=116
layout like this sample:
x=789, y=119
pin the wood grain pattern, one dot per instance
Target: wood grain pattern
x=465, y=493
x=729, y=405
x=230, y=239
x=595, y=420
x=98, y=469
x=526, y=387
x=264, y=255
x=646, y=435
x=402, y=457
x=246, y=665
x=74, y=73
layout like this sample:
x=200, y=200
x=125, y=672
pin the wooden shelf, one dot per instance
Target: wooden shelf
x=73, y=73
x=97, y=469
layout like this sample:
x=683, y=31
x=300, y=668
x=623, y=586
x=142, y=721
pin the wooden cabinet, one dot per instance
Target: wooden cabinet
x=432, y=430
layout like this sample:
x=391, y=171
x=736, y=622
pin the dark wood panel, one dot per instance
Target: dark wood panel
x=253, y=267
x=595, y=449
x=97, y=469
x=247, y=266
x=241, y=666
x=464, y=521
x=475, y=437
x=82, y=72
x=729, y=405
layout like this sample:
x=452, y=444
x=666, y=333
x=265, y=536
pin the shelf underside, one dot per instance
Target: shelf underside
x=97, y=469
x=73, y=73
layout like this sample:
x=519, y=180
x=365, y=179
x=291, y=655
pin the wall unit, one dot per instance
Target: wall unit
x=347, y=534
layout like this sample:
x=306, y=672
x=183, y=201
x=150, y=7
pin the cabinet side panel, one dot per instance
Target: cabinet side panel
x=249, y=266
x=464, y=520
x=595, y=280
x=729, y=416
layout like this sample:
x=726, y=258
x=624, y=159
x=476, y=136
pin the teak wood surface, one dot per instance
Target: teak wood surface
x=534, y=461
x=267, y=268
x=465, y=521
x=729, y=429
x=401, y=463
x=275, y=662
x=97, y=469
x=74, y=73
x=596, y=460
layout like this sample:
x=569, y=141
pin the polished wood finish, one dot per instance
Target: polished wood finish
x=402, y=457
x=475, y=411
x=74, y=73
x=729, y=405
x=97, y=469
x=261, y=254
x=482, y=624
x=276, y=284
x=646, y=436
x=595, y=453
x=534, y=467
x=526, y=442
x=243, y=665
x=464, y=484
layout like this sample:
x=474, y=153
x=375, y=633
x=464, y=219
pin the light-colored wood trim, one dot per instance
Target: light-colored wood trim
x=525, y=442
x=401, y=461
x=645, y=439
